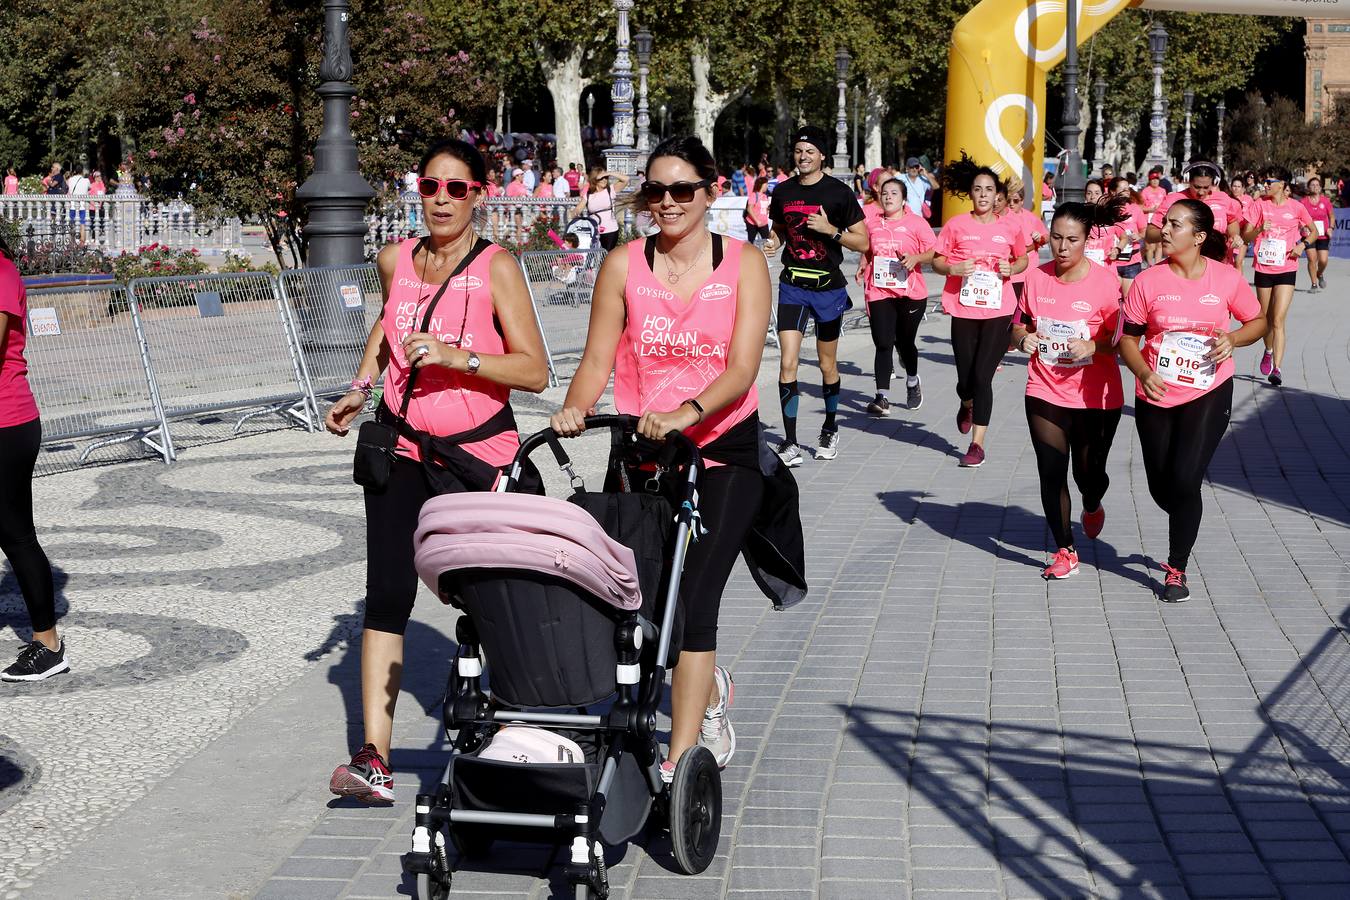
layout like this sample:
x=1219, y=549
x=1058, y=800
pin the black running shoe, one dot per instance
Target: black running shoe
x=879, y=408
x=914, y=395
x=36, y=663
x=1174, y=587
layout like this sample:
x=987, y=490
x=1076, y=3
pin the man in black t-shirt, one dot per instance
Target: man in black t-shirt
x=814, y=218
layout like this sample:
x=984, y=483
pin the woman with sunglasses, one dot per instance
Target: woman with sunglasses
x=1281, y=230
x=679, y=319
x=1183, y=373
x=599, y=204
x=482, y=342
x=1319, y=209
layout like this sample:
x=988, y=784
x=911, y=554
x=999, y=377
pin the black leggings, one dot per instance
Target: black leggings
x=729, y=498
x=895, y=323
x=1060, y=434
x=19, y=446
x=1177, y=444
x=609, y=240
x=978, y=345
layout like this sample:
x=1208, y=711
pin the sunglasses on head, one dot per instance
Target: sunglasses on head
x=1274, y=181
x=680, y=191
x=455, y=188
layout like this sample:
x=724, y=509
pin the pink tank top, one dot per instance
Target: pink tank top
x=671, y=351
x=446, y=402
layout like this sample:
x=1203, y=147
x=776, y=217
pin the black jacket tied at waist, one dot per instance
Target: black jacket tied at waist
x=450, y=468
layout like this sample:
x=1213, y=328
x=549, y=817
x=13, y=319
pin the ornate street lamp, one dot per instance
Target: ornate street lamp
x=1157, y=47
x=1073, y=183
x=335, y=195
x=621, y=156
x=1187, y=101
x=1222, y=109
x=841, y=64
x=590, y=110
x=1099, y=149
x=643, y=42
x=665, y=114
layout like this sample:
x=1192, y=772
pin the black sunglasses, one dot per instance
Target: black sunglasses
x=680, y=191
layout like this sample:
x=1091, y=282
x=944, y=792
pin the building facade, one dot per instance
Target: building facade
x=1327, y=78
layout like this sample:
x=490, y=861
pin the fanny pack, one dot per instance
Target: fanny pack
x=375, y=441
x=811, y=279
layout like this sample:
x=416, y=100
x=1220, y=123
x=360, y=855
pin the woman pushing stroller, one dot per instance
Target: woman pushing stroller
x=680, y=318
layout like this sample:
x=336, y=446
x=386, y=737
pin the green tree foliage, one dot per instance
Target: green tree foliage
x=1261, y=132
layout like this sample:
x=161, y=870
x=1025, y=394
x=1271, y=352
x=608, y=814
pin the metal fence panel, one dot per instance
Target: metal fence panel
x=333, y=308
x=561, y=282
x=90, y=374
x=222, y=343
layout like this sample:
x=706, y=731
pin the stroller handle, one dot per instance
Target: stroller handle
x=683, y=449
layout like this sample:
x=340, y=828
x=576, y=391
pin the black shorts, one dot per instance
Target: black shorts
x=1130, y=271
x=795, y=316
x=1273, y=279
x=1322, y=243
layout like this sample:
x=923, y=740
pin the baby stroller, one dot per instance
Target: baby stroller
x=574, y=604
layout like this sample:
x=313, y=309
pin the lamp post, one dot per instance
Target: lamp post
x=1187, y=102
x=643, y=42
x=1157, y=47
x=665, y=114
x=1073, y=183
x=335, y=195
x=590, y=110
x=508, y=115
x=841, y=63
x=621, y=156
x=1218, y=150
x=857, y=112
x=1169, y=139
x=1099, y=149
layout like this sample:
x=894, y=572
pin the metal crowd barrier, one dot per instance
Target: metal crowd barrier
x=333, y=308
x=221, y=344
x=90, y=373
x=561, y=282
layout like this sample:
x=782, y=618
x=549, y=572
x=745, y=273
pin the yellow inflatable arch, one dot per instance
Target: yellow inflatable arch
x=1002, y=50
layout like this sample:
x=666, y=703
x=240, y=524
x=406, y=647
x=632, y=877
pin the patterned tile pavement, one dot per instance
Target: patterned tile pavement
x=935, y=720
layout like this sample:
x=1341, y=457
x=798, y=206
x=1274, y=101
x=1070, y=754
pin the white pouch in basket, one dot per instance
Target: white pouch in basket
x=531, y=744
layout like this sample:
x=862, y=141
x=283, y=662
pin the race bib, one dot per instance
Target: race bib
x=1052, y=342
x=1321, y=228
x=1181, y=360
x=982, y=289
x=888, y=272
x=1272, y=252
x=1096, y=254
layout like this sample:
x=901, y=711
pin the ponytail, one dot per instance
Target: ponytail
x=958, y=177
x=1103, y=214
x=1215, y=245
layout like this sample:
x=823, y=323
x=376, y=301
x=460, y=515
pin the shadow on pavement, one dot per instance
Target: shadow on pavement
x=15, y=616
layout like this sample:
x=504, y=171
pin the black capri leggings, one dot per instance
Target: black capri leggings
x=895, y=323
x=978, y=345
x=1177, y=444
x=1060, y=434
x=19, y=445
x=729, y=498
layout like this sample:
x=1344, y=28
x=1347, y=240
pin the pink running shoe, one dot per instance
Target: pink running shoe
x=1093, y=521
x=973, y=458
x=965, y=418
x=1063, y=565
x=366, y=778
x=1267, y=362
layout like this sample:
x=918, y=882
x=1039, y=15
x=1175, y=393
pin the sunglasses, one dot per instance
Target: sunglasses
x=680, y=191
x=455, y=188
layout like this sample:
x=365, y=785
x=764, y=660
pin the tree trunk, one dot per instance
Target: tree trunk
x=562, y=77
x=708, y=103
x=782, y=127
x=501, y=108
x=874, y=110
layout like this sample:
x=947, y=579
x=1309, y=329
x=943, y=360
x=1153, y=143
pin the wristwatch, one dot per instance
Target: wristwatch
x=473, y=363
x=839, y=237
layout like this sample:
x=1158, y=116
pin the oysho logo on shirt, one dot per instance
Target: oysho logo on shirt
x=1081, y=305
x=467, y=282
x=715, y=291
x=1210, y=300
x=644, y=290
x=1049, y=301
x=1169, y=298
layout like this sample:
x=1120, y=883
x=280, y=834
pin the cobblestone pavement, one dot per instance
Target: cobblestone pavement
x=934, y=720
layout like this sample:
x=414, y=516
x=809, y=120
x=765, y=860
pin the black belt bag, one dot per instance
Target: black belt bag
x=375, y=441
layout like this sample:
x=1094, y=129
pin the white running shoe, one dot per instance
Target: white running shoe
x=716, y=732
x=829, y=445
x=790, y=454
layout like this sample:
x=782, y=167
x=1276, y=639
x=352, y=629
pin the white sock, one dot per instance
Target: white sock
x=883, y=394
x=911, y=380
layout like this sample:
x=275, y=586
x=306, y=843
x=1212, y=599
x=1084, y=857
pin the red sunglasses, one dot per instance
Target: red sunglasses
x=455, y=188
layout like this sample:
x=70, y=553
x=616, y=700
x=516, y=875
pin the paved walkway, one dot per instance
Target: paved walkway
x=933, y=720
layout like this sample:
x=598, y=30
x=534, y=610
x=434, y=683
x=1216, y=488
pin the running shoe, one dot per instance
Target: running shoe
x=1174, y=586
x=716, y=732
x=1321, y=284
x=667, y=772
x=1313, y=288
x=790, y=454
x=1063, y=565
x=1093, y=521
x=37, y=663
x=914, y=395
x=879, y=408
x=1275, y=377
x=366, y=777
x=965, y=418
x=973, y=458
x=1267, y=362
x=828, y=445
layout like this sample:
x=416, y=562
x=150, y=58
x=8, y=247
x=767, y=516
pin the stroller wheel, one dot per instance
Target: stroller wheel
x=434, y=884
x=695, y=810
x=431, y=888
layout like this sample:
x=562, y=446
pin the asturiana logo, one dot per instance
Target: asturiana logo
x=715, y=291
x=1210, y=300
x=1082, y=306
x=467, y=282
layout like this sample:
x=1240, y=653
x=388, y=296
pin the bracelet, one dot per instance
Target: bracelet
x=363, y=385
x=698, y=408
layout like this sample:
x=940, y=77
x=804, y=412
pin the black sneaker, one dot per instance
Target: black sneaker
x=879, y=408
x=1174, y=587
x=914, y=395
x=36, y=663
x=1275, y=377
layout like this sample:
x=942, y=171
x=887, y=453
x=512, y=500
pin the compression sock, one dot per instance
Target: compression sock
x=831, y=394
x=787, y=399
